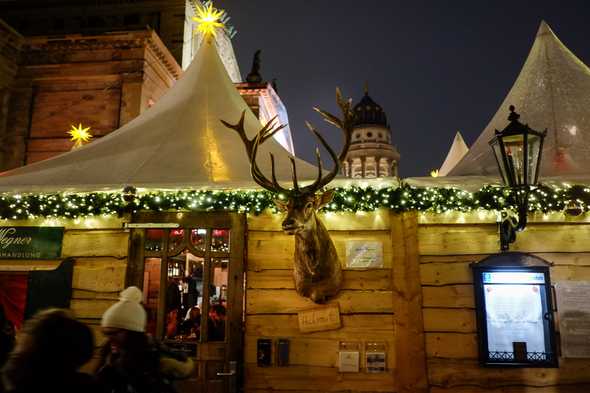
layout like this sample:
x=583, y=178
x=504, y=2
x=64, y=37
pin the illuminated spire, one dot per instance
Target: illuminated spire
x=79, y=135
x=209, y=19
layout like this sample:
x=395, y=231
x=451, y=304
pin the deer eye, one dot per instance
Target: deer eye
x=308, y=206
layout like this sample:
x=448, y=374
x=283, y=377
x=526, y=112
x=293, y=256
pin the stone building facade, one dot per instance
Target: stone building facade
x=101, y=81
x=65, y=63
x=372, y=153
x=10, y=43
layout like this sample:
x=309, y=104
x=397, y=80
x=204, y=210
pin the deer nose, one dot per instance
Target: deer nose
x=289, y=222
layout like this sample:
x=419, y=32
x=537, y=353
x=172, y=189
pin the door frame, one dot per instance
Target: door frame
x=236, y=281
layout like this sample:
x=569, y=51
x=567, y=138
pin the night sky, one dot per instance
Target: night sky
x=436, y=67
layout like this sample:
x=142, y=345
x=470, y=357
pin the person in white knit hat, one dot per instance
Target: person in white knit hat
x=127, y=313
x=131, y=361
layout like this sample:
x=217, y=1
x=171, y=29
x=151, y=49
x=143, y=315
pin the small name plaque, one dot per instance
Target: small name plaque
x=319, y=319
x=364, y=254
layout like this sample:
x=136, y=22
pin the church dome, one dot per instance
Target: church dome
x=368, y=111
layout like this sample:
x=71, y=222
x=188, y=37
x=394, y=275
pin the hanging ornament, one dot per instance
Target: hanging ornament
x=79, y=135
x=129, y=193
x=209, y=19
x=573, y=208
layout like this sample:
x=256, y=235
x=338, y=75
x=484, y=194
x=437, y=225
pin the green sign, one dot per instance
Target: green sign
x=31, y=242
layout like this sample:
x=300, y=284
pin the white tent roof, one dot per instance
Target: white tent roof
x=178, y=143
x=551, y=92
x=456, y=152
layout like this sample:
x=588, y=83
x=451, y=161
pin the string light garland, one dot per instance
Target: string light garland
x=405, y=198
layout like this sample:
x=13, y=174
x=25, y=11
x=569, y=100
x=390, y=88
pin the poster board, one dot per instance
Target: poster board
x=574, y=318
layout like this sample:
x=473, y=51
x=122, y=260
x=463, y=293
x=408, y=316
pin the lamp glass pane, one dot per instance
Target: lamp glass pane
x=534, y=150
x=495, y=144
x=515, y=157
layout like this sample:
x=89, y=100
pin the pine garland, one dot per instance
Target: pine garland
x=405, y=198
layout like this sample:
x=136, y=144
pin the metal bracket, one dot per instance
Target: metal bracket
x=508, y=222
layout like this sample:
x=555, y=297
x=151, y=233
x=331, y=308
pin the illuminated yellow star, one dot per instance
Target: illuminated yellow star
x=79, y=135
x=209, y=19
x=434, y=173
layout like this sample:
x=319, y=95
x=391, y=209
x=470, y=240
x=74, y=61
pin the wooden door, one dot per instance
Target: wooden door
x=190, y=267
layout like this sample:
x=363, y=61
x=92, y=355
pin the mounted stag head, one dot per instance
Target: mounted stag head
x=317, y=271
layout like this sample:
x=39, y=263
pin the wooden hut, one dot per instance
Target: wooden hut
x=170, y=194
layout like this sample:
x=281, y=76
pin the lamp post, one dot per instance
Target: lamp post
x=517, y=149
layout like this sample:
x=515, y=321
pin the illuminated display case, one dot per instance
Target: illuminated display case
x=514, y=311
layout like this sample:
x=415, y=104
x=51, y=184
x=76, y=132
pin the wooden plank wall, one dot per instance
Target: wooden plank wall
x=100, y=248
x=366, y=307
x=447, y=245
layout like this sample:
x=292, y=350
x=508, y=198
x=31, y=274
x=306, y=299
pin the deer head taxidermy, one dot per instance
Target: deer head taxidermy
x=317, y=271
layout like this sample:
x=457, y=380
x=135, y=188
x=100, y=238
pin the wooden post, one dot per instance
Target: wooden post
x=135, y=263
x=410, y=372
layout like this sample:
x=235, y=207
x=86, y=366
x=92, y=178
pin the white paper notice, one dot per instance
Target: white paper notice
x=573, y=307
x=362, y=254
x=348, y=361
x=514, y=314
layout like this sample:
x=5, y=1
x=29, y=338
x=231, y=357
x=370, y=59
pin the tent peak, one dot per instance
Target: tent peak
x=551, y=91
x=544, y=28
x=457, y=151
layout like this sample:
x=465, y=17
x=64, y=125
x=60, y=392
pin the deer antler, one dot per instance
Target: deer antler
x=346, y=125
x=269, y=129
x=251, y=145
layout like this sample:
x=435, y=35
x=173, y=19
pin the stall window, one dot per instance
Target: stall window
x=514, y=311
x=186, y=298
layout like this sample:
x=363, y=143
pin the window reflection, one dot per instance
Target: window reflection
x=198, y=238
x=151, y=292
x=217, y=300
x=220, y=240
x=175, y=238
x=183, y=296
x=154, y=240
x=182, y=318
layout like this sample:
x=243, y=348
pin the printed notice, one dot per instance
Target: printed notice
x=375, y=362
x=348, y=361
x=574, y=318
x=363, y=254
x=514, y=313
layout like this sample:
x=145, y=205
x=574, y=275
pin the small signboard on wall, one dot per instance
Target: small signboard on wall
x=319, y=319
x=364, y=254
x=31, y=242
x=574, y=318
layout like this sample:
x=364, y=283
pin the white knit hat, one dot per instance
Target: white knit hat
x=127, y=313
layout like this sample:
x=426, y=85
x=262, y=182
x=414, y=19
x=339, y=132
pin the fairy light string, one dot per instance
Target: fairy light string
x=352, y=199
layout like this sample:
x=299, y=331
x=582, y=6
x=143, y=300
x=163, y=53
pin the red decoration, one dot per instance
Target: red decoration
x=13, y=296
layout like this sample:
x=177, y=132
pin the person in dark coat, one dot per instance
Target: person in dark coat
x=131, y=361
x=52, y=346
x=173, y=296
x=216, y=323
x=191, y=326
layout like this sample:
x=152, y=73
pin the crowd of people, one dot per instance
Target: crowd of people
x=53, y=345
x=183, y=315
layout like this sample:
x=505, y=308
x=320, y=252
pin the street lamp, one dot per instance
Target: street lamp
x=517, y=149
